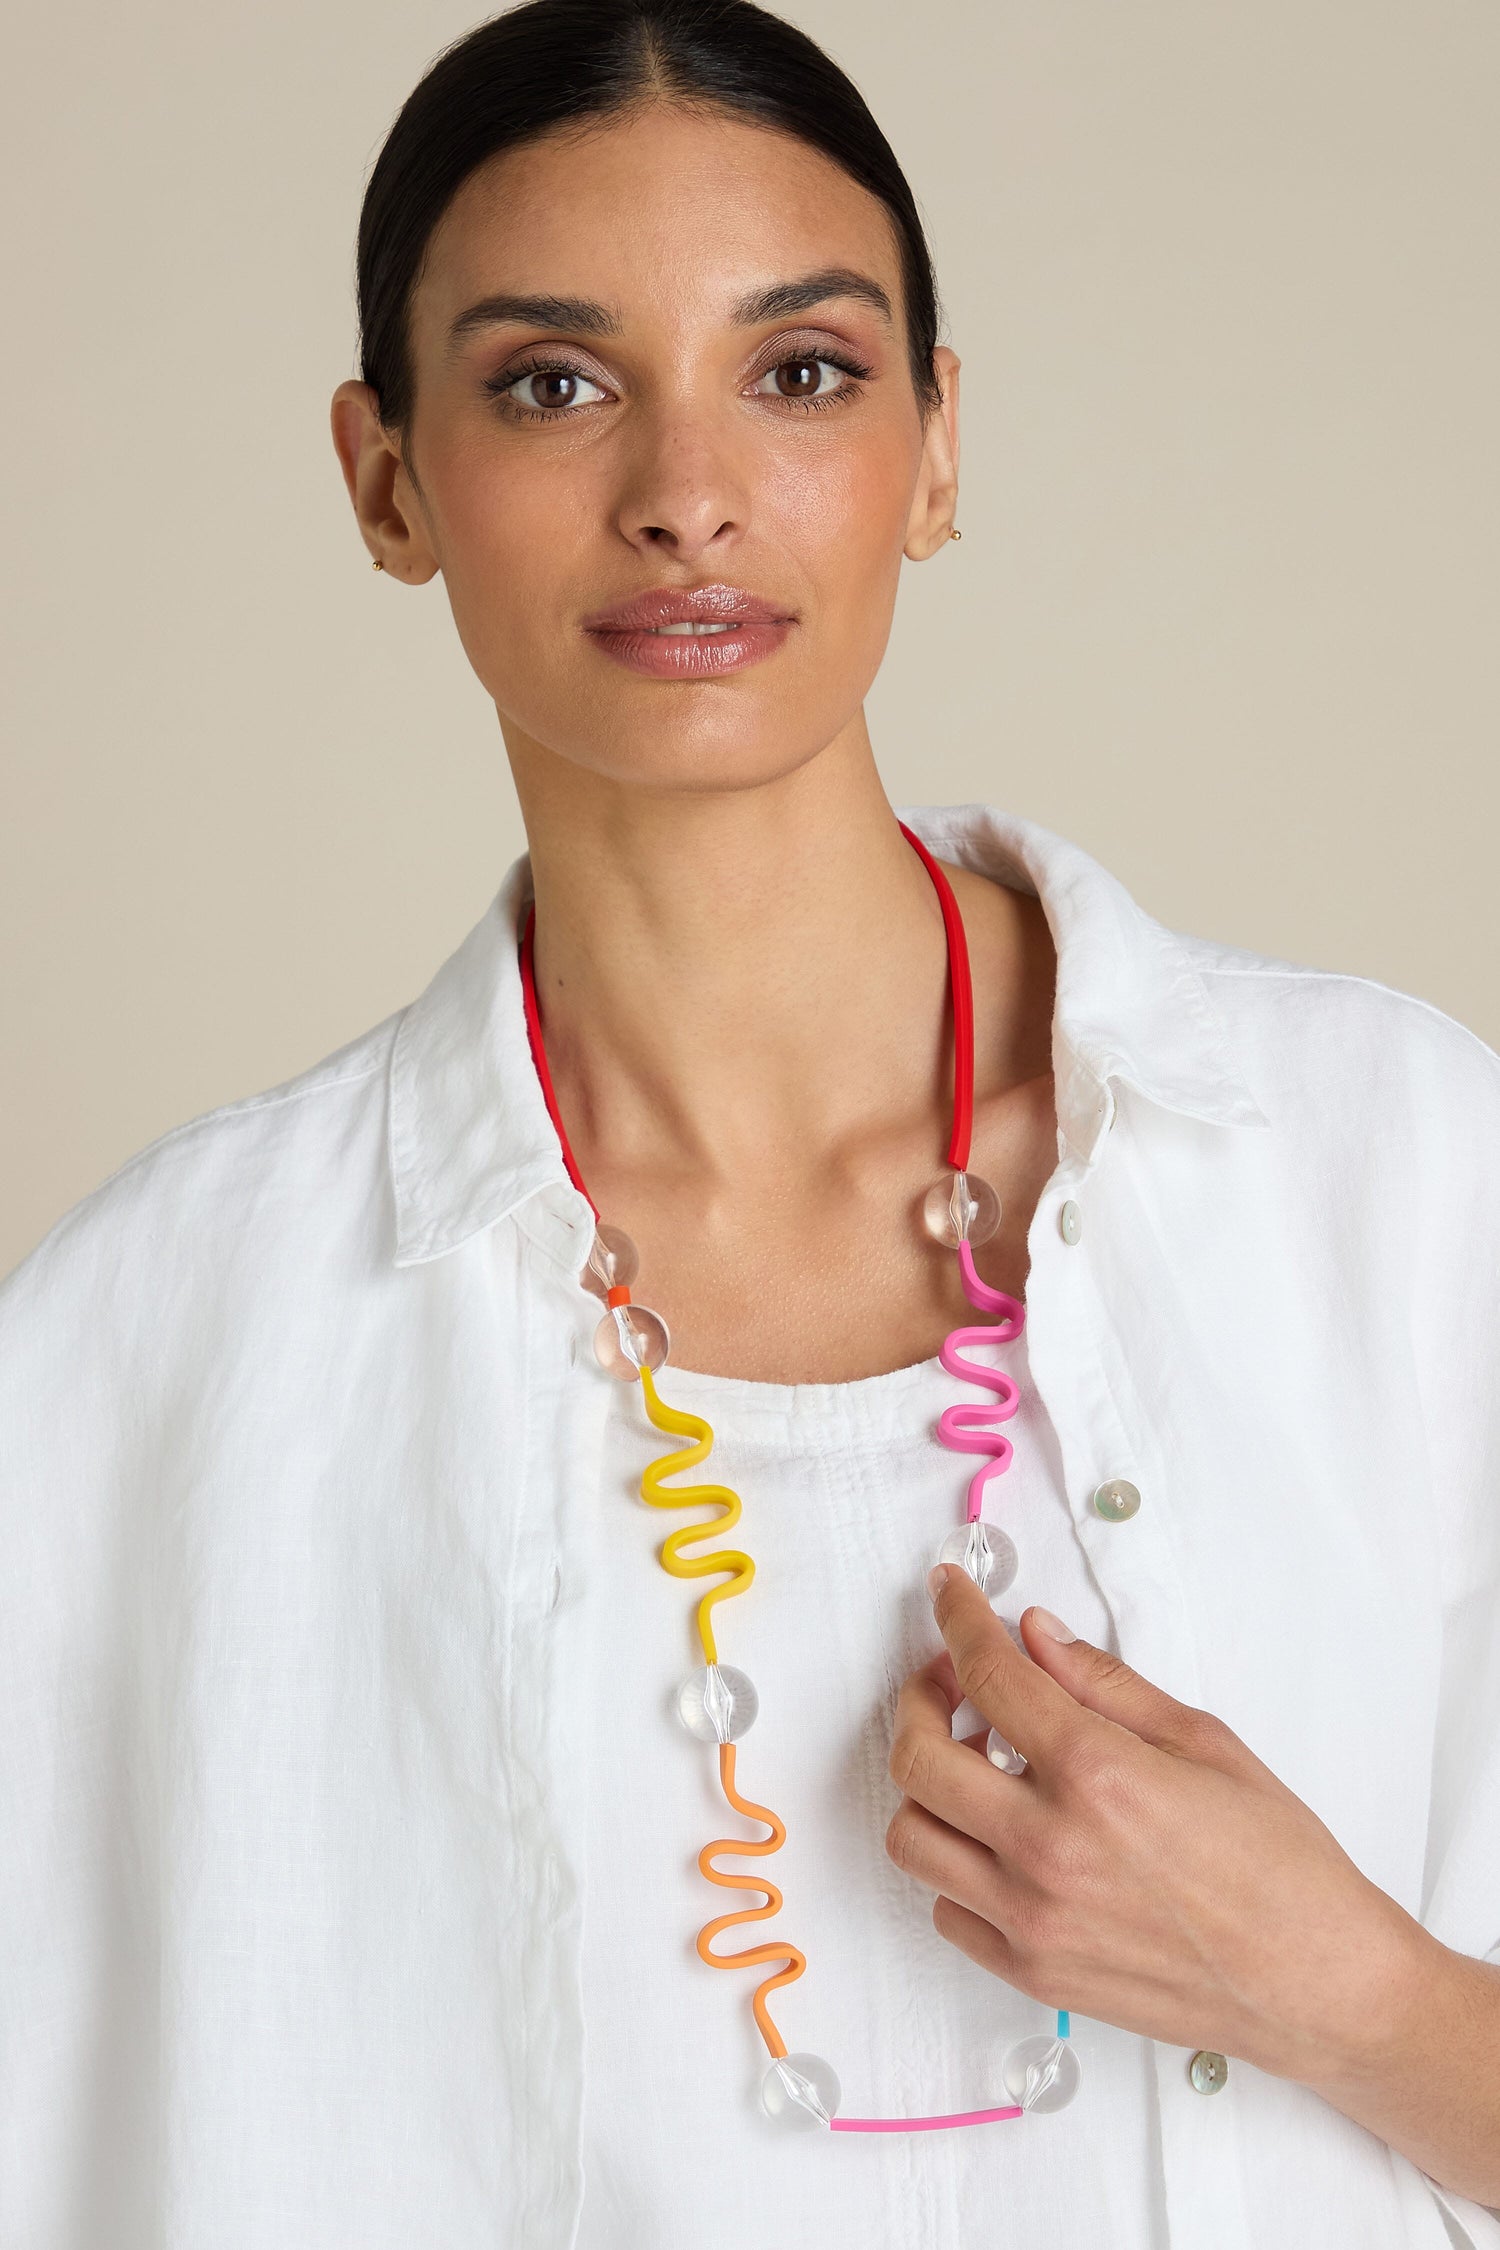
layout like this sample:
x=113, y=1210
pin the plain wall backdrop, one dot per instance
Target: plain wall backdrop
x=1223, y=282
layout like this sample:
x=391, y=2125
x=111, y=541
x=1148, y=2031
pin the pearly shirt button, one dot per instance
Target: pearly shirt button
x=1116, y=1500
x=1208, y=2071
x=1070, y=1221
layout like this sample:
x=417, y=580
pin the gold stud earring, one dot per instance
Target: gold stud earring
x=955, y=533
x=377, y=564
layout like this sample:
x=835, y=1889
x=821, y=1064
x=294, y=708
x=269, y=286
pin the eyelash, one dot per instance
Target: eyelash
x=544, y=364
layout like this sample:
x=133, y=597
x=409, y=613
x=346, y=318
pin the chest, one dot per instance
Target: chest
x=832, y=1277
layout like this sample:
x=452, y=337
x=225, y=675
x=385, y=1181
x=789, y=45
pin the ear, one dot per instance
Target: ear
x=385, y=500
x=936, y=496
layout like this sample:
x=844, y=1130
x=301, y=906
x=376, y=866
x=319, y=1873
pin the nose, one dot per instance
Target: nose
x=685, y=486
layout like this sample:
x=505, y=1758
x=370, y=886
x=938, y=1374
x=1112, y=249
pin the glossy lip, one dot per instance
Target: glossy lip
x=715, y=604
x=694, y=656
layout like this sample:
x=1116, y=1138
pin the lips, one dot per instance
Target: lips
x=716, y=604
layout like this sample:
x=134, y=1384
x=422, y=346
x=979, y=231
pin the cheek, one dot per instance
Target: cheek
x=844, y=517
x=846, y=503
x=513, y=550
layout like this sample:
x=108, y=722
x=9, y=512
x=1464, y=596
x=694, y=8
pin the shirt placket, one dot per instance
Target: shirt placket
x=564, y=1415
x=1109, y=1459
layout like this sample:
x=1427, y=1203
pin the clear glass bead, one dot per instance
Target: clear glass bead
x=718, y=1703
x=962, y=1208
x=801, y=2091
x=988, y=1554
x=613, y=1261
x=1003, y=1754
x=1042, y=2073
x=631, y=1337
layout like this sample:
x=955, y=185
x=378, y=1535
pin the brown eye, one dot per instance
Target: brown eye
x=799, y=380
x=546, y=390
x=551, y=386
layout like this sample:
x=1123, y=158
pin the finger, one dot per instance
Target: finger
x=982, y=1940
x=1103, y=1682
x=942, y=1860
x=1019, y=1698
x=945, y=1777
x=940, y=1668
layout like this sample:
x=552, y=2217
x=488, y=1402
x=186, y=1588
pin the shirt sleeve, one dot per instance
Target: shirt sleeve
x=1436, y=1182
x=78, y=1433
x=1455, y=1310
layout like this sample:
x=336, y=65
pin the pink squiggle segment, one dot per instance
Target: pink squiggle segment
x=917, y=2124
x=968, y=1428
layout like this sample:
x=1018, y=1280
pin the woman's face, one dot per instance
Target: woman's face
x=675, y=436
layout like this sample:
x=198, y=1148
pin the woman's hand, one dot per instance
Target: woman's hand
x=1145, y=1868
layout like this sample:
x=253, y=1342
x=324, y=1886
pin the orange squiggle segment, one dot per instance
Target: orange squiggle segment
x=796, y=1962
x=742, y=1570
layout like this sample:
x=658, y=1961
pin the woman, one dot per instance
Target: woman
x=353, y=1829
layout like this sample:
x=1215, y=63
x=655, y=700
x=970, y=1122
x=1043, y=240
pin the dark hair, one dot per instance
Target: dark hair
x=552, y=63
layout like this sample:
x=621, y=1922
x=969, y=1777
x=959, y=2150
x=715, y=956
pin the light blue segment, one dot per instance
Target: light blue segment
x=1062, y=2023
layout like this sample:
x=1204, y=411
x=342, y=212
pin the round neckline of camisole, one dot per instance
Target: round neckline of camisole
x=874, y=1409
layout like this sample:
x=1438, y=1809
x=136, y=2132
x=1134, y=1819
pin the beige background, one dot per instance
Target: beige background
x=1223, y=281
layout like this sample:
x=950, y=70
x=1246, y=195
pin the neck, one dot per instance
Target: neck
x=757, y=979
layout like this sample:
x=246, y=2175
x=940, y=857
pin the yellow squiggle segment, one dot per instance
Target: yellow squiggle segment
x=691, y=1496
x=678, y=1423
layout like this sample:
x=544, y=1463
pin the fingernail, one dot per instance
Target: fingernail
x=935, y=1577
x=1053, y=1627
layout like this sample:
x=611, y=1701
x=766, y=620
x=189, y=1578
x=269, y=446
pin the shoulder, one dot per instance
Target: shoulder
x=193, y=1200
x=1366, y=1053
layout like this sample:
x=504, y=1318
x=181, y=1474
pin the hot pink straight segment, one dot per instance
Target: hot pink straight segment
x=918, y=2124
x=967, y=1428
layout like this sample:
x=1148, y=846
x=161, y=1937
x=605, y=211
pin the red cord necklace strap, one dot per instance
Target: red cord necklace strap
x=539, y=1053
x=960, y=993
x=718, y=1702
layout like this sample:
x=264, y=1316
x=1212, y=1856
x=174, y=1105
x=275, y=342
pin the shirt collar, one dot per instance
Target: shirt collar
x=470, y=1138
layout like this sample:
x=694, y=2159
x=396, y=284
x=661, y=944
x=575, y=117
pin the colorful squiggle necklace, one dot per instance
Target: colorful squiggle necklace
x=718, y=1703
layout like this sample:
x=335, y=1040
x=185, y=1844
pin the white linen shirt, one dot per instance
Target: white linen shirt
x=301, y=1435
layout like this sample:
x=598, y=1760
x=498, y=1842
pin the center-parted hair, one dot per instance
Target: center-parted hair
x=555, y=65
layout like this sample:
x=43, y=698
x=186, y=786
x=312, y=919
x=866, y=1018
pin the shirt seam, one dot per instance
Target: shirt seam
x=409, y=1183
x=246, y=1105
x=1351, y=976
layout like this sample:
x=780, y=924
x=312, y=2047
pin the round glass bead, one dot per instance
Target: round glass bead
x=1003, y=1754
x=988, y=1554
x=718, y=1703
x=801, y=2091
x=631, y=1337
x=613, y=1261
x=962, y=1208
x=1042, y=2073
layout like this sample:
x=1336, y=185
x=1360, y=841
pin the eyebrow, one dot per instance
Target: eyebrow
x=586, y=316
